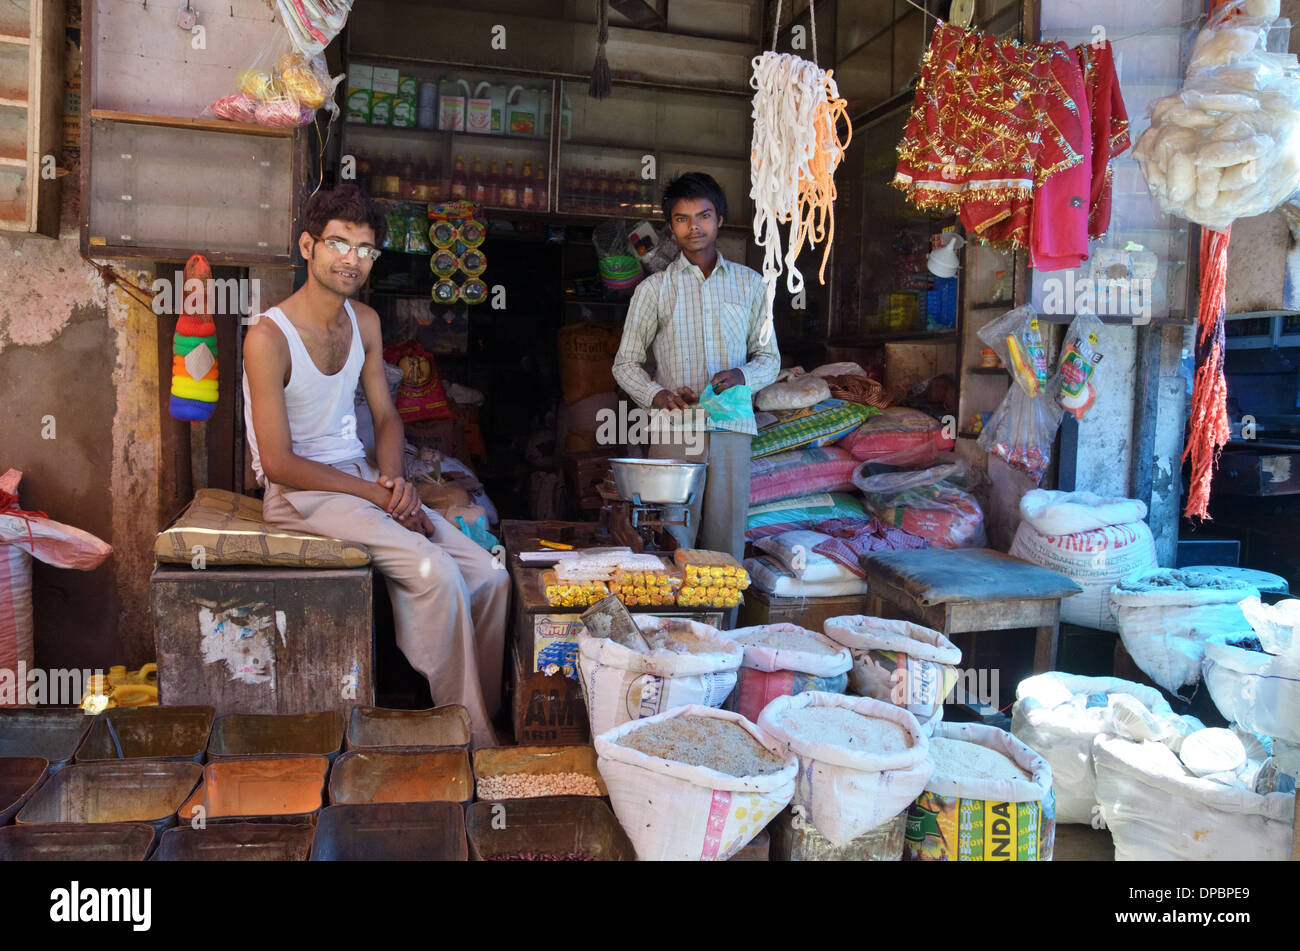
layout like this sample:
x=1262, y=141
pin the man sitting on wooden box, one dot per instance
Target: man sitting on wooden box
x=301, y=368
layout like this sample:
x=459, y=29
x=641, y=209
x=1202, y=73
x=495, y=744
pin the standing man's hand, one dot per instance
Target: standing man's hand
x=404, y=500
x=726, y=379
x=674, y=399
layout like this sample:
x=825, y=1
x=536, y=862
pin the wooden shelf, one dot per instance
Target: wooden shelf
x=13, y=103
x=10, y=39
x=989, y=371
x=13, y=162
x=201, y=125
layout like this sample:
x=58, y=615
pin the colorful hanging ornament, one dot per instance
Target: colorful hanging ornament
x=194, y=389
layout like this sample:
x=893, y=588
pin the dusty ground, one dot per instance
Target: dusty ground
x=1080, y=843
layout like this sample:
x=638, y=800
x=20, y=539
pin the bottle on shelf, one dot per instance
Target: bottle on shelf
x=603, y=197
x=459, y=180
x=527, y=194
x=409, y=182
x=420, y=190
x=539, y=190
x=647, y=197
x=364, y=170
x=493, y=196
x=478, y=182
x=508, y=194
x=587, y=193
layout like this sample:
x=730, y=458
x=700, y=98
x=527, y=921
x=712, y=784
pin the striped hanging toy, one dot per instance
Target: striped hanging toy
x=194, y=348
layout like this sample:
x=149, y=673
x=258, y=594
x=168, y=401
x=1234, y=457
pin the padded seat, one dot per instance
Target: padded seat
x=231, y=531
x=960, y=590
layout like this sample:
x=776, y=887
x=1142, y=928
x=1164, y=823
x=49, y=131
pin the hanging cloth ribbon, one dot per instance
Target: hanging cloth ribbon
x=601, y=84
x=1208, y=428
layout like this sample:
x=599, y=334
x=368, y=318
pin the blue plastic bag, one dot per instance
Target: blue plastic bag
x=478, y=532
x=733, y=405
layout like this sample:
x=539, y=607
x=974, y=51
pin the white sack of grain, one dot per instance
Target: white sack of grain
x=1156, y=810
x=1166, y=617
x=1058, y=715
x=620, y=684
x=982, y=771
x=902, y=663
x=861, y=761
x=676, y=812
x=784, y=660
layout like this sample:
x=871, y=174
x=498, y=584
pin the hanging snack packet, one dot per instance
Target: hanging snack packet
x=1018, y=342
x=1021, y=432
x=1079, y=359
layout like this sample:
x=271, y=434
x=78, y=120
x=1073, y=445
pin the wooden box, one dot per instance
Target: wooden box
x=548, y=708
x=264, y=640
x=759, y=607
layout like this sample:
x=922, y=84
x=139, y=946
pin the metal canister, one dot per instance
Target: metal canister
x=444, y=263
x=473, y=291
x=446, y=291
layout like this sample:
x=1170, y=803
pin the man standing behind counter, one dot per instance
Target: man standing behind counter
x=703, y=318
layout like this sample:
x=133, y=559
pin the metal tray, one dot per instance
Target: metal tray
x=536, y=760
x=551, y=825
x=178, y=734
x=237, y=842
x=19, y=778
x=391, y=832
x=402, y=776
x=375, y=727
x=50, y=732
x=258, y=734
x=274, y=789
x=76, y=842
x=658, y=481
x=122, y=791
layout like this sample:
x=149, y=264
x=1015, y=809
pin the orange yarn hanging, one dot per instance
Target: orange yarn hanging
x=1208, y=429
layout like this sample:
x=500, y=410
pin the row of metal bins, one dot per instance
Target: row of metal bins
x=195, y=734
x=280, y=787
x=406, y=831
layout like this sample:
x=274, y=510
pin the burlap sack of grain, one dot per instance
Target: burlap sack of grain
x=586, y=360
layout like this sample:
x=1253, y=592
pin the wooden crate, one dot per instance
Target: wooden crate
x=759, y=607
x=547, y=708
x=264, y=640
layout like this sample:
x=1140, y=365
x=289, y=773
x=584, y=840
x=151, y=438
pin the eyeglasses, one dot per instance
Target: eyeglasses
x=341, y=248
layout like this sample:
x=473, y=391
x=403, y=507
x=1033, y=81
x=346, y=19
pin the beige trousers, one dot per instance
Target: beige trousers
x=720, y=511
x=449, y=596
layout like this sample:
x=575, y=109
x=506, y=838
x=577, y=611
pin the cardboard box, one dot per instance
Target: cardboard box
x=912, y=362
x=360, y=83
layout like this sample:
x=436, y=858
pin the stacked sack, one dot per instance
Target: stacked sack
x=1093, y=541
x=194, y=387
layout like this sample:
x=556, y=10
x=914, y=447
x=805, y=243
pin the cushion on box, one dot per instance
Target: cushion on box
x=230, y=530
x=800, y=472
x=819, y=425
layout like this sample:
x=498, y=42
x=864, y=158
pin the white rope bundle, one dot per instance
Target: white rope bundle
x=789, y=94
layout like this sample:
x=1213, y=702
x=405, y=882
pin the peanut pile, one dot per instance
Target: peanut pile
x=532, y=785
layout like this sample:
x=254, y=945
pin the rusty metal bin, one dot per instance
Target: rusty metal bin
x=19, y=778
x=803, y=843
x=550, y=826
x=178, y=734
x=269, y=734
x=236, y=842
x=402, y=776
x=126, y=791
x=391, y=832
x=76, y=842
x=278, y=789
x=373, y=727
x=534, y=761
x=50, y=732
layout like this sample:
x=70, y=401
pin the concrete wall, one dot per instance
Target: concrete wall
x=78, y=362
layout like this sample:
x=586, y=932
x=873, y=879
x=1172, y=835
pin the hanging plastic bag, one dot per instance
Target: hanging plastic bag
x=1227, y=145
x=1018, y=342
x=282, y=87
x=735, y=404
x=1080, y=357
x=1022, y=430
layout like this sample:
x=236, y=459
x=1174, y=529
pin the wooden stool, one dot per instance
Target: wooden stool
x=960, y=590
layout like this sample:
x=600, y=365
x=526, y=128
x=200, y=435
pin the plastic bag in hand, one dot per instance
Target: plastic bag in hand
x=1022, y=430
